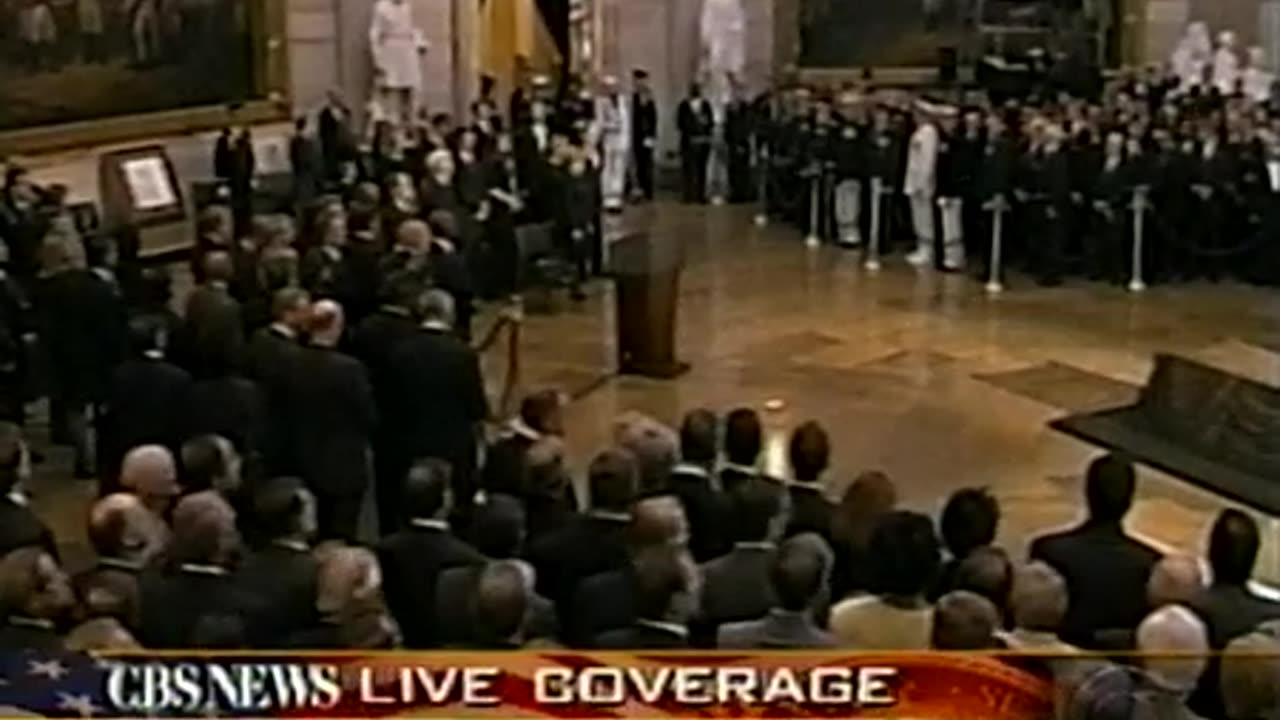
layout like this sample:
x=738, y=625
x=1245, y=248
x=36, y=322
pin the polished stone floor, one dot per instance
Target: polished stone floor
x=915, y=373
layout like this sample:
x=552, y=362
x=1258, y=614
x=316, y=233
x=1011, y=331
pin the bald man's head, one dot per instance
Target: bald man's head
x=121, y=527
x=204, y=530
x=658, y=521
x=1175, y=580
x=414, y=236
x=150, y=472
x=347, y=576
x=328, y=322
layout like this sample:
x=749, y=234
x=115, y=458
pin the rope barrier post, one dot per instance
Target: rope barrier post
x=872, y=263
x=1137, y=283
x=762, y=190
x=998, y=209
x=812, y=240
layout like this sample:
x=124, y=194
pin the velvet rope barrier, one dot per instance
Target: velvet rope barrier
x=509, y=320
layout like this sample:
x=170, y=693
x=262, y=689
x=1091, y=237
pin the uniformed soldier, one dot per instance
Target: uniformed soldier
x=849, y=148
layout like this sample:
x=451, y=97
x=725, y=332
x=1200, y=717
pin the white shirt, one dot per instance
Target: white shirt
x=922, y=161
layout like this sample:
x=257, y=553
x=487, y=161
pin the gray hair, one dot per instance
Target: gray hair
x=437, y=306
x=1250, y=674
x=1173, y=629
x=1039, y=598
x=1176, y=579
x=655, y=447
x=964, y=620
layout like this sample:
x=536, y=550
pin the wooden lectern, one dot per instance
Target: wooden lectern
x=646, y=272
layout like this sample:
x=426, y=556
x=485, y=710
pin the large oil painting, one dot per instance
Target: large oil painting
x=859, y=33
x=86, y=61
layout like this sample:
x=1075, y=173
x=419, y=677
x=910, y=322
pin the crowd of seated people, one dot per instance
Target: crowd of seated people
x=671, y=547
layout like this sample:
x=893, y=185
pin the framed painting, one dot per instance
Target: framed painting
x=879, y=33
x=78, y=72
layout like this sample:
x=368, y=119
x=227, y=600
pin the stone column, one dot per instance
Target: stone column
x=313, y=47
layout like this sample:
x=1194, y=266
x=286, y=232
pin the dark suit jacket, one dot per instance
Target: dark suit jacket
x=279, y=588
x=272, y=361
x=81, y=324
x=213, y=329
x=412, y=561
x=232, y=407
x=705, y=509
x=172, y=604
x=779, y=630
x=810, y=512
x=642, y=636
x=731, y=477
x=20, y=528
x=736, y=587
x=1228, y=611
x=601, y=603
x=333, y=420
x=587, y=546
x=17, y=634
x=146, y=402
x=1106, y=573
x=439, y=395
x=505, y=465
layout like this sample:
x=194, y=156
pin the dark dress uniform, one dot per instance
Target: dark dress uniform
x=738, y=128
x=696, y=123
x=644, y=140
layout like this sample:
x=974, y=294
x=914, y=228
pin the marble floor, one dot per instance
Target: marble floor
x=918, y=374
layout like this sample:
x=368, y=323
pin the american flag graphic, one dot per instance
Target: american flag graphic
x=932, y=687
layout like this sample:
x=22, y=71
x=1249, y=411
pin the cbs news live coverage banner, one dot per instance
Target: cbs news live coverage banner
x=550, y=684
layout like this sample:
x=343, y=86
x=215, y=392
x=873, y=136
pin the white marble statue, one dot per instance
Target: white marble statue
x=1256, y=80
x=1192, y=56
x=1226, y=64
x=723, y=32
x=397, y=46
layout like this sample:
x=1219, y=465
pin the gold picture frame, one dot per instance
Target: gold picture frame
x=268, y=27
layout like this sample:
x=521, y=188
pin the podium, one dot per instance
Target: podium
x=646, y=272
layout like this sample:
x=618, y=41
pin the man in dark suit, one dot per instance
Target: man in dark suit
x=506, y=462
x=333, y=414
x=35, y=601
x=1105, y=569
x=212, y=325
x=440, y=397
x=19, y=526
x=1229, y=608
x=737, y=585
x=272, y=361
x=337, y=139
x=146, y=399
x=413, y=558
x=969, y=521
x=667, y=586
x=592, y=543
x=743, y=440
x=306, y=160
x=799, y=575
x=195, y=586
x=693, y=482
x=696, y=124
x=606, y=601
x=644, y=132
x=279, y=579
x=810, y=455
x=374, y=342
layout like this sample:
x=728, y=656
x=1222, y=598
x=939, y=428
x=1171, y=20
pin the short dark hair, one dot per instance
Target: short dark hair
x=147, y=334
x=753, y=505
x=969, y=520
x=11, y=448
x=613, y=480
x=536, y=407
x=659, y=575
x=286, y=300
x=698, y=437
x=743, y=436
x=904, y=553
x=498, y=527
x=809, y=452
x=1109, y=486
x=202, y=463
x=797, y=574
x=501, y=602
x=1233, y=547
x=426, y=489
x=277, y=505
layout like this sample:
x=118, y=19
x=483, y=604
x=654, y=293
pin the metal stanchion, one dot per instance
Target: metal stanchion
x=1136, y=283
x=762, y=190
x=813, y=240
x=872, y=262
x=998, y=209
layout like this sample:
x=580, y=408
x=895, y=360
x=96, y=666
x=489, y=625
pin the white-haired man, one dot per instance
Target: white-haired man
x=1174, y=645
